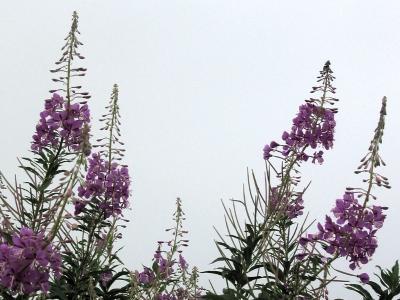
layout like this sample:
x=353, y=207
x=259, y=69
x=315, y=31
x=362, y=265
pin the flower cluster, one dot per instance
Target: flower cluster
x=105, y=277
x=169, y=277
x=291, y=206
x=108, y=182
x=180, y=294
x=162, y=268
x=60, y=120
x=166, y=297
x=145, y=277
x=313, y=126
x=27, y=263
x=352, y=234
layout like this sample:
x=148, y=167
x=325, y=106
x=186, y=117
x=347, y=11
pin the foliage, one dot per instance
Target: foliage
x=60, y=225
x=271, y=255
x=387, y=288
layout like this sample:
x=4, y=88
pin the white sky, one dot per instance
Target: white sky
x=203, y=86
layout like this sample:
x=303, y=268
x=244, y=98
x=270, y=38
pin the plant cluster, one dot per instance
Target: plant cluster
x=60, y=225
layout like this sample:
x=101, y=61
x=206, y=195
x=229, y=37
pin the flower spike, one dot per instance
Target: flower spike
x=111, y=144
x=65, y=69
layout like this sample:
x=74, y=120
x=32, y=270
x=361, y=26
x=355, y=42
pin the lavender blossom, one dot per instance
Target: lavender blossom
x=60, y=121
x=105, y=277
x=110, y=183
x=161, y=267
x=27, y=263
x=290, y=205
x=313, y=126
x=145, y=277
x=166, y=297
x=363, y=277
x=169, y=277
x=182, y=262
x=352, y=234
x=164, y=266
x=47, y=128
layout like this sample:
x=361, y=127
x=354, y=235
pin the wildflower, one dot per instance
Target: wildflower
x=116, y=190
x=27, y=263
x=47, y=128
x=61, y=120
x=182, y=262
x=352, y=234
x=105, y=277
x=290, y=205
x=146, y=277
x=312, y=127
x=164, y=266
x=79, y=206
x=108, y=182
x=363, y=277
x=166, y=297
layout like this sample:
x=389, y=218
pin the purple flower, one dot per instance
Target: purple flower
x=290, y=205
x=313, y=126
x=79, y=206
x=363, y=277
x=166, y=297
x=267, y=151
x=164, y=267
x=352, y=234
x=182, y=262
x=73, y=118
x=301, y=256
x=47, y=128
x=26, y=263
x=146, y=277
x=105, y=277
x=110, y=183
x=60, y=120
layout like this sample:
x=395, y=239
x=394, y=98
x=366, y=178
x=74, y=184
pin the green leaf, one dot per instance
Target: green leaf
x=360, y=290
x=376, y=287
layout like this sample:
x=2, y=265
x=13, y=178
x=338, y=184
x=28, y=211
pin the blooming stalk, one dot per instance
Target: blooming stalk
x=351, y=232
x=313, y=126
x=169, y=277
x=106, y=180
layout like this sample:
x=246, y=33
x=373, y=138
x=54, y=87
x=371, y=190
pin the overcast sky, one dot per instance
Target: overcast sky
x=203, y=86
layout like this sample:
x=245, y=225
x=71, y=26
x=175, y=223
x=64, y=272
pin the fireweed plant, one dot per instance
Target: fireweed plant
x=57, y=234
x=271, y=255
x=61, y=223
x=60, y=226
x=169, y=277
